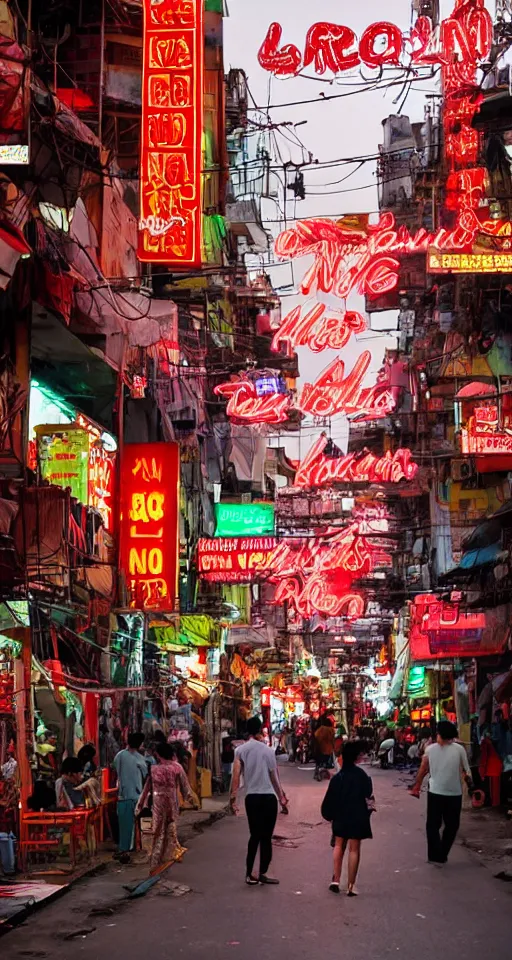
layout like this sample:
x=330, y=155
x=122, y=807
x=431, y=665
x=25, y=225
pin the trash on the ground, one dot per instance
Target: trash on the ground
x=169, y=889
x=82, y=932
x=421, y=916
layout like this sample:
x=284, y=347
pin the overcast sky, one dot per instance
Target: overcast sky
x=345, y=127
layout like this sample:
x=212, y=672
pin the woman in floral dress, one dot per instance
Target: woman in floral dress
x=167, y=777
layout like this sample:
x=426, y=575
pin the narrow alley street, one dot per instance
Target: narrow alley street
x=405, y=907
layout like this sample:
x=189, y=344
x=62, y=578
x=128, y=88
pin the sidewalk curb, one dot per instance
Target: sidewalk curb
x=29, y=909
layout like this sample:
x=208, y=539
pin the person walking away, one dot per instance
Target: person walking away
x=447, y=765
x=227, y=760
x=166, y=778
x=324, y=745
x=258, y=764
x=131, y=769
x=348, y=805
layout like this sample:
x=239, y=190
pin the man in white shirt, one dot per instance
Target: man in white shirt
x=447, y=764
x=257, y=762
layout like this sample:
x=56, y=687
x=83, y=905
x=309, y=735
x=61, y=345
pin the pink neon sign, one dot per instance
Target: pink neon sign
x=320, y=594
x=346, y=551
x=365, y=261
x=319, y=329
x=246, y=406
x=463, y=38
x=333, y=393
x=317, y=470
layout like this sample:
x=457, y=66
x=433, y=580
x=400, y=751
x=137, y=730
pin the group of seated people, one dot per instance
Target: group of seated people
x=76, y=787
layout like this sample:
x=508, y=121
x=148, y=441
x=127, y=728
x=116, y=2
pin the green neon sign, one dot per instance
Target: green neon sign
x=244, y=519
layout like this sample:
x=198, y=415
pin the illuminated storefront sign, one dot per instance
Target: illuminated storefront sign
x=63, y=454
x=172, y=125
x=469, y=262
x=318, y=470
x=238, y=560
x=484, y=443
x=482, y=434
x=332, y=47
x=244, y=519
x=149, y=524
x=101, y=483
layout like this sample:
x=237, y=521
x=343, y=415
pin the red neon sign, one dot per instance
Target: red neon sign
x=319, y=329
x=365, y=261
x=347, y=551
x=246, y=406
x=170, y=228
x=236, y=560
x=317, y=470
x=441, y=629
x=333, y=393
x=319, y=594
x=463, y=38
x=149, y=524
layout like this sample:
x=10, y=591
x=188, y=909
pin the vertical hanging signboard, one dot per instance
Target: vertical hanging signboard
x=170, y=226
x=149, y=524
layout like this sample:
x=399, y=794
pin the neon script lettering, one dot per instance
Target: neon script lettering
x=317, y=470
x=319, y=595
x=347, y=551
x=331, y=394
x=462, y=39
x=365, y=261
x=319, y=329
x=334, y=393
x=246, y=406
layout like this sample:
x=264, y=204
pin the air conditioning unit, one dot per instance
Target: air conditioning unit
x=461, y=470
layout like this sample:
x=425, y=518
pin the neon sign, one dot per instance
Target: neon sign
x=319, y=594
x=482, y=436
x=170, y=227
x=64, y=457
x=334, y=393
x=318, y=470
x=246, y=405
x=348, y=551
x=470, y=262
x=244, y=519
x=149, y=524
x=238, y=560
x=464, y=37
x=101, y=482
x=319, y=329
x=365, y=261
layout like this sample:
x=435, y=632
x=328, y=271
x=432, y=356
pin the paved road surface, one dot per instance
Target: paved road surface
x=407, y=908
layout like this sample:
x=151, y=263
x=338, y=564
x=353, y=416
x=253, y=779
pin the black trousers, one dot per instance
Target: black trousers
x=442, y=810
x=261, y=812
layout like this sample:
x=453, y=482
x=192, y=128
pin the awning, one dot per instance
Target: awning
x=61, y=361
